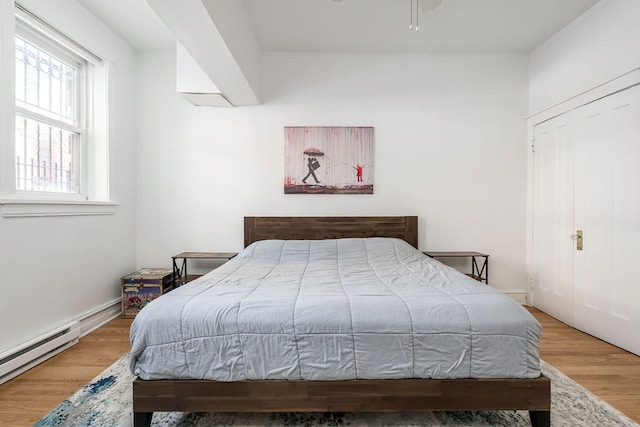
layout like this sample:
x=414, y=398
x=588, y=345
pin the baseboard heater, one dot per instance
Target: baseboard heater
x=25, y=356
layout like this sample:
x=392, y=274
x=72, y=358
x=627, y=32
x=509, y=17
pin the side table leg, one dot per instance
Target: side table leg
x=179, y=273
x=482, y=273
x=176, y=274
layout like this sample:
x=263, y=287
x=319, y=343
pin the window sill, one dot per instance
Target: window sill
x=38, y=208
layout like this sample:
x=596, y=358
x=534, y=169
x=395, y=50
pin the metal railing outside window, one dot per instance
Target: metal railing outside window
x=48, y=133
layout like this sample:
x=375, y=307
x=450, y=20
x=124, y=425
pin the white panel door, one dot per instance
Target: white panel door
x=607, y=209
x=552, y=247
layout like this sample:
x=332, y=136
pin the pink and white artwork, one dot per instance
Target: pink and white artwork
x=328, y=159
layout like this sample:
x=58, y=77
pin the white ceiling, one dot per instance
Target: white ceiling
x=372, y=26
x=383, y=25
x=135, y=22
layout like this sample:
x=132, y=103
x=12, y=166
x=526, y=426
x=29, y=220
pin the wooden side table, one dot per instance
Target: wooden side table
x=478, y=272
x=180, y=275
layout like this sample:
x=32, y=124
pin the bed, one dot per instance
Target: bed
x=352, y=374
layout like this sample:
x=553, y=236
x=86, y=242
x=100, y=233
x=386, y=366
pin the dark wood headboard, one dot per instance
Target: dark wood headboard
x=329, y=227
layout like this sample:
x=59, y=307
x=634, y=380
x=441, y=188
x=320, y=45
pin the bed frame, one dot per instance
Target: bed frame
x=533, y=395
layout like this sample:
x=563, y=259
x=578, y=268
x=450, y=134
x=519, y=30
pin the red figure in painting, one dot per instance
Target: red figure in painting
x=358, y=169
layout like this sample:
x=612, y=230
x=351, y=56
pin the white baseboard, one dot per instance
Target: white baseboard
x=97, y=317
x=25, y=356
x=518, y=295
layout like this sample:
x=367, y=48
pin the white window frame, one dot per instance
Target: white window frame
x=99, y=90
x=27, y=31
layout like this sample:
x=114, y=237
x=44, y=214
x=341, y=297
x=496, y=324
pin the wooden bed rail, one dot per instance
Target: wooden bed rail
x=462, y=394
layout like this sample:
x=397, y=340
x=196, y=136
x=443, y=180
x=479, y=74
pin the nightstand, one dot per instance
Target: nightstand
x=478, y=272
x=180, y=274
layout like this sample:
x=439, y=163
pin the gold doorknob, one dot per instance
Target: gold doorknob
x=579, y=240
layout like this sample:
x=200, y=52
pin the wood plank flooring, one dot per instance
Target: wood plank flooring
x=33, y=394
x=607, y=371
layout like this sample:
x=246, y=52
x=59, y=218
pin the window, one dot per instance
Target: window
x=55, y=116
x=49, y=132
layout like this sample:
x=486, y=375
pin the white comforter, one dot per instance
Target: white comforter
x=334, y=310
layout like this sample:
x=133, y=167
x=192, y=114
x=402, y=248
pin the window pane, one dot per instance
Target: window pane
x=45, y=84
x=46, y=157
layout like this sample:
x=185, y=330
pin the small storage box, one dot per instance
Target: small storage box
x=142, y=287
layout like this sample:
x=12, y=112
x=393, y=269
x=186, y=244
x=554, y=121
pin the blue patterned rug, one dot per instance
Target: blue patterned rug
x=106, y=401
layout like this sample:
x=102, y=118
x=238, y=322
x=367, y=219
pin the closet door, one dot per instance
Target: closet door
x=607, y=210
x=552, y=250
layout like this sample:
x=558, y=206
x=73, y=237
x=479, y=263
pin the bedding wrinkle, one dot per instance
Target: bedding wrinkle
x=470, y=353
x=353, y=337
x=450, y=276
x=471, y=341
x=184, y=342
x=239, y=306
x=295, y=305
x=395, y=254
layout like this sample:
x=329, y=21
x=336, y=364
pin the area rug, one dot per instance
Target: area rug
x=106, y=401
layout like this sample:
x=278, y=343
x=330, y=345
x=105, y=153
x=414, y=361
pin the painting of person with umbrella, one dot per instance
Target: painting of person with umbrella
x=322, y=159
x=312, y=163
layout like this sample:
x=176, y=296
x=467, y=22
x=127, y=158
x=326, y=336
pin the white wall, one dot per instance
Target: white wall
x=57, y=269
x=448, y=148
x=600, y=45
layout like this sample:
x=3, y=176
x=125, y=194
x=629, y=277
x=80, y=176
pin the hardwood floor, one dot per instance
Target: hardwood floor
x=607, y=371
x=28, y=397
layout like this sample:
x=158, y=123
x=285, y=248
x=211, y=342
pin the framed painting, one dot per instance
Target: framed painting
x=328, y=159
